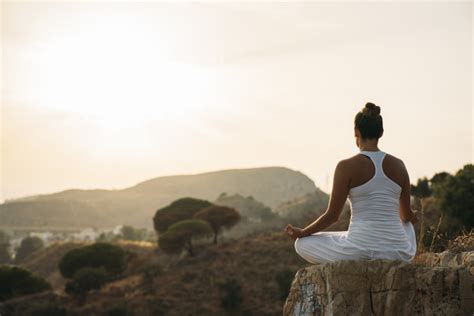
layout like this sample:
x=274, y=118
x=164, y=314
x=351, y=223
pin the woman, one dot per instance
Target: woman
x=378, y=186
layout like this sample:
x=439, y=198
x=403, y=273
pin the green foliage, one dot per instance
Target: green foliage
x=231, y=298
x=178, y=210
x=111, y=257
x=5, y=257
x=28, y=246
x=181, y=234
x=15, y=281
x=45, y=308
x=120, y=309
x=422, y=189
x=4, y=237
x=85, y=280
x=218, y=217
x=284, y=279
x=132, y=233
x=454, y=196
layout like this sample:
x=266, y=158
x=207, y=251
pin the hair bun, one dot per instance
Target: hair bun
x=371, y=110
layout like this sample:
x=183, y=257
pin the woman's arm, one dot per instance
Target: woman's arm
x=340, y=189
x=406, y=213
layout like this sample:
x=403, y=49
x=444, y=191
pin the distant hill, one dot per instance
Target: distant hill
x=248, y=207
x=137, y=205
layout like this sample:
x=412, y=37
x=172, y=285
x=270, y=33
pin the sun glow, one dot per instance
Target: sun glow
x=117, y=74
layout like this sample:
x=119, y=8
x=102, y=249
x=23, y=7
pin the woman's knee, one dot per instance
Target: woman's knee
x=298, y=248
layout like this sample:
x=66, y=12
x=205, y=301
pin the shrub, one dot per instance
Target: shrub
x=5, y=257
x=28, y=246
x=45, y=309
x=15, y=281
x=231, y=298
x=455, y=197
x=85, y=280
x=111, y=257
x=120, y=309
x=132, y=233
x=284, y=279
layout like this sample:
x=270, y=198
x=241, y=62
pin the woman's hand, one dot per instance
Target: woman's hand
x=293, y=232
x=414, y=219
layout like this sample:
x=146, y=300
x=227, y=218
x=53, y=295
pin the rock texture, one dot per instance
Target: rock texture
x=383, y=287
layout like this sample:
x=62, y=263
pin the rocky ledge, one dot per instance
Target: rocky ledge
x=440, y=285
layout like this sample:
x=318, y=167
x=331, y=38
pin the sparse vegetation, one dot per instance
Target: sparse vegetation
x=5, y=257
x=445, y=201
x=45, y=308
x=284, y=279
x=28, y=246
x=231, y=297
x=85, y=280
x=111, y=257
x=16, y=281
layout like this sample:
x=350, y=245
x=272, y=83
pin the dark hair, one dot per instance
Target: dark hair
x=369, y=121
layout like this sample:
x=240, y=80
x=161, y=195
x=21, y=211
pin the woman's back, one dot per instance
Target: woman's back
x=378, y=187
x=375, y=220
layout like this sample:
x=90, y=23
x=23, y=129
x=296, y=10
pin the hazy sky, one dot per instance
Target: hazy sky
x=108, y=95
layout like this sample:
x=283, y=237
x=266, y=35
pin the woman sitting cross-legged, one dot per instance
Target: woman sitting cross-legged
x=378, y=187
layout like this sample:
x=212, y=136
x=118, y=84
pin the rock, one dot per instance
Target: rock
x=449, y=259
x=381, y=287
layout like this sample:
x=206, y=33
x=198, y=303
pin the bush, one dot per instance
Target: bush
x=85, y=280
x=5, y=257
x=284, y=279
x=120, y=309
x=455, y=197
x=28, y=246
x=132, y=233
x=111, y=257
x=15, y=281
x=45, y=309
x=231, y=298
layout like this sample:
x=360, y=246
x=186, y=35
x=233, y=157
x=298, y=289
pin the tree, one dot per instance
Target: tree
x=5, y=257
x=218, y=217
x=85, y=280
x=421, y=189
x=178, y=210
x=111, y=257
x=455, y=198
x=131, y=233
x=28, y=246
x=180, y=235
x=15, y=281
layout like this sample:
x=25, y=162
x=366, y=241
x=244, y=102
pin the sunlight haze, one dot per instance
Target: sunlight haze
x=108, y=95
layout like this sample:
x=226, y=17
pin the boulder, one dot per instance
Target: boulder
x=382, y=287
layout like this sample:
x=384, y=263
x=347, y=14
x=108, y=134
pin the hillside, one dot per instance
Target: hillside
x=136, y=205
x=186, y=285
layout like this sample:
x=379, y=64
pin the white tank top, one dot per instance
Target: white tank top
x=375, y=220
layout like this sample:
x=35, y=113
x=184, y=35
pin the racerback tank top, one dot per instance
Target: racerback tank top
x=375, y=220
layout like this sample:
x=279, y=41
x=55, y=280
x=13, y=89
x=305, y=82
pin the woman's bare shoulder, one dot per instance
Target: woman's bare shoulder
x=394, y=160
x=394, y=167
